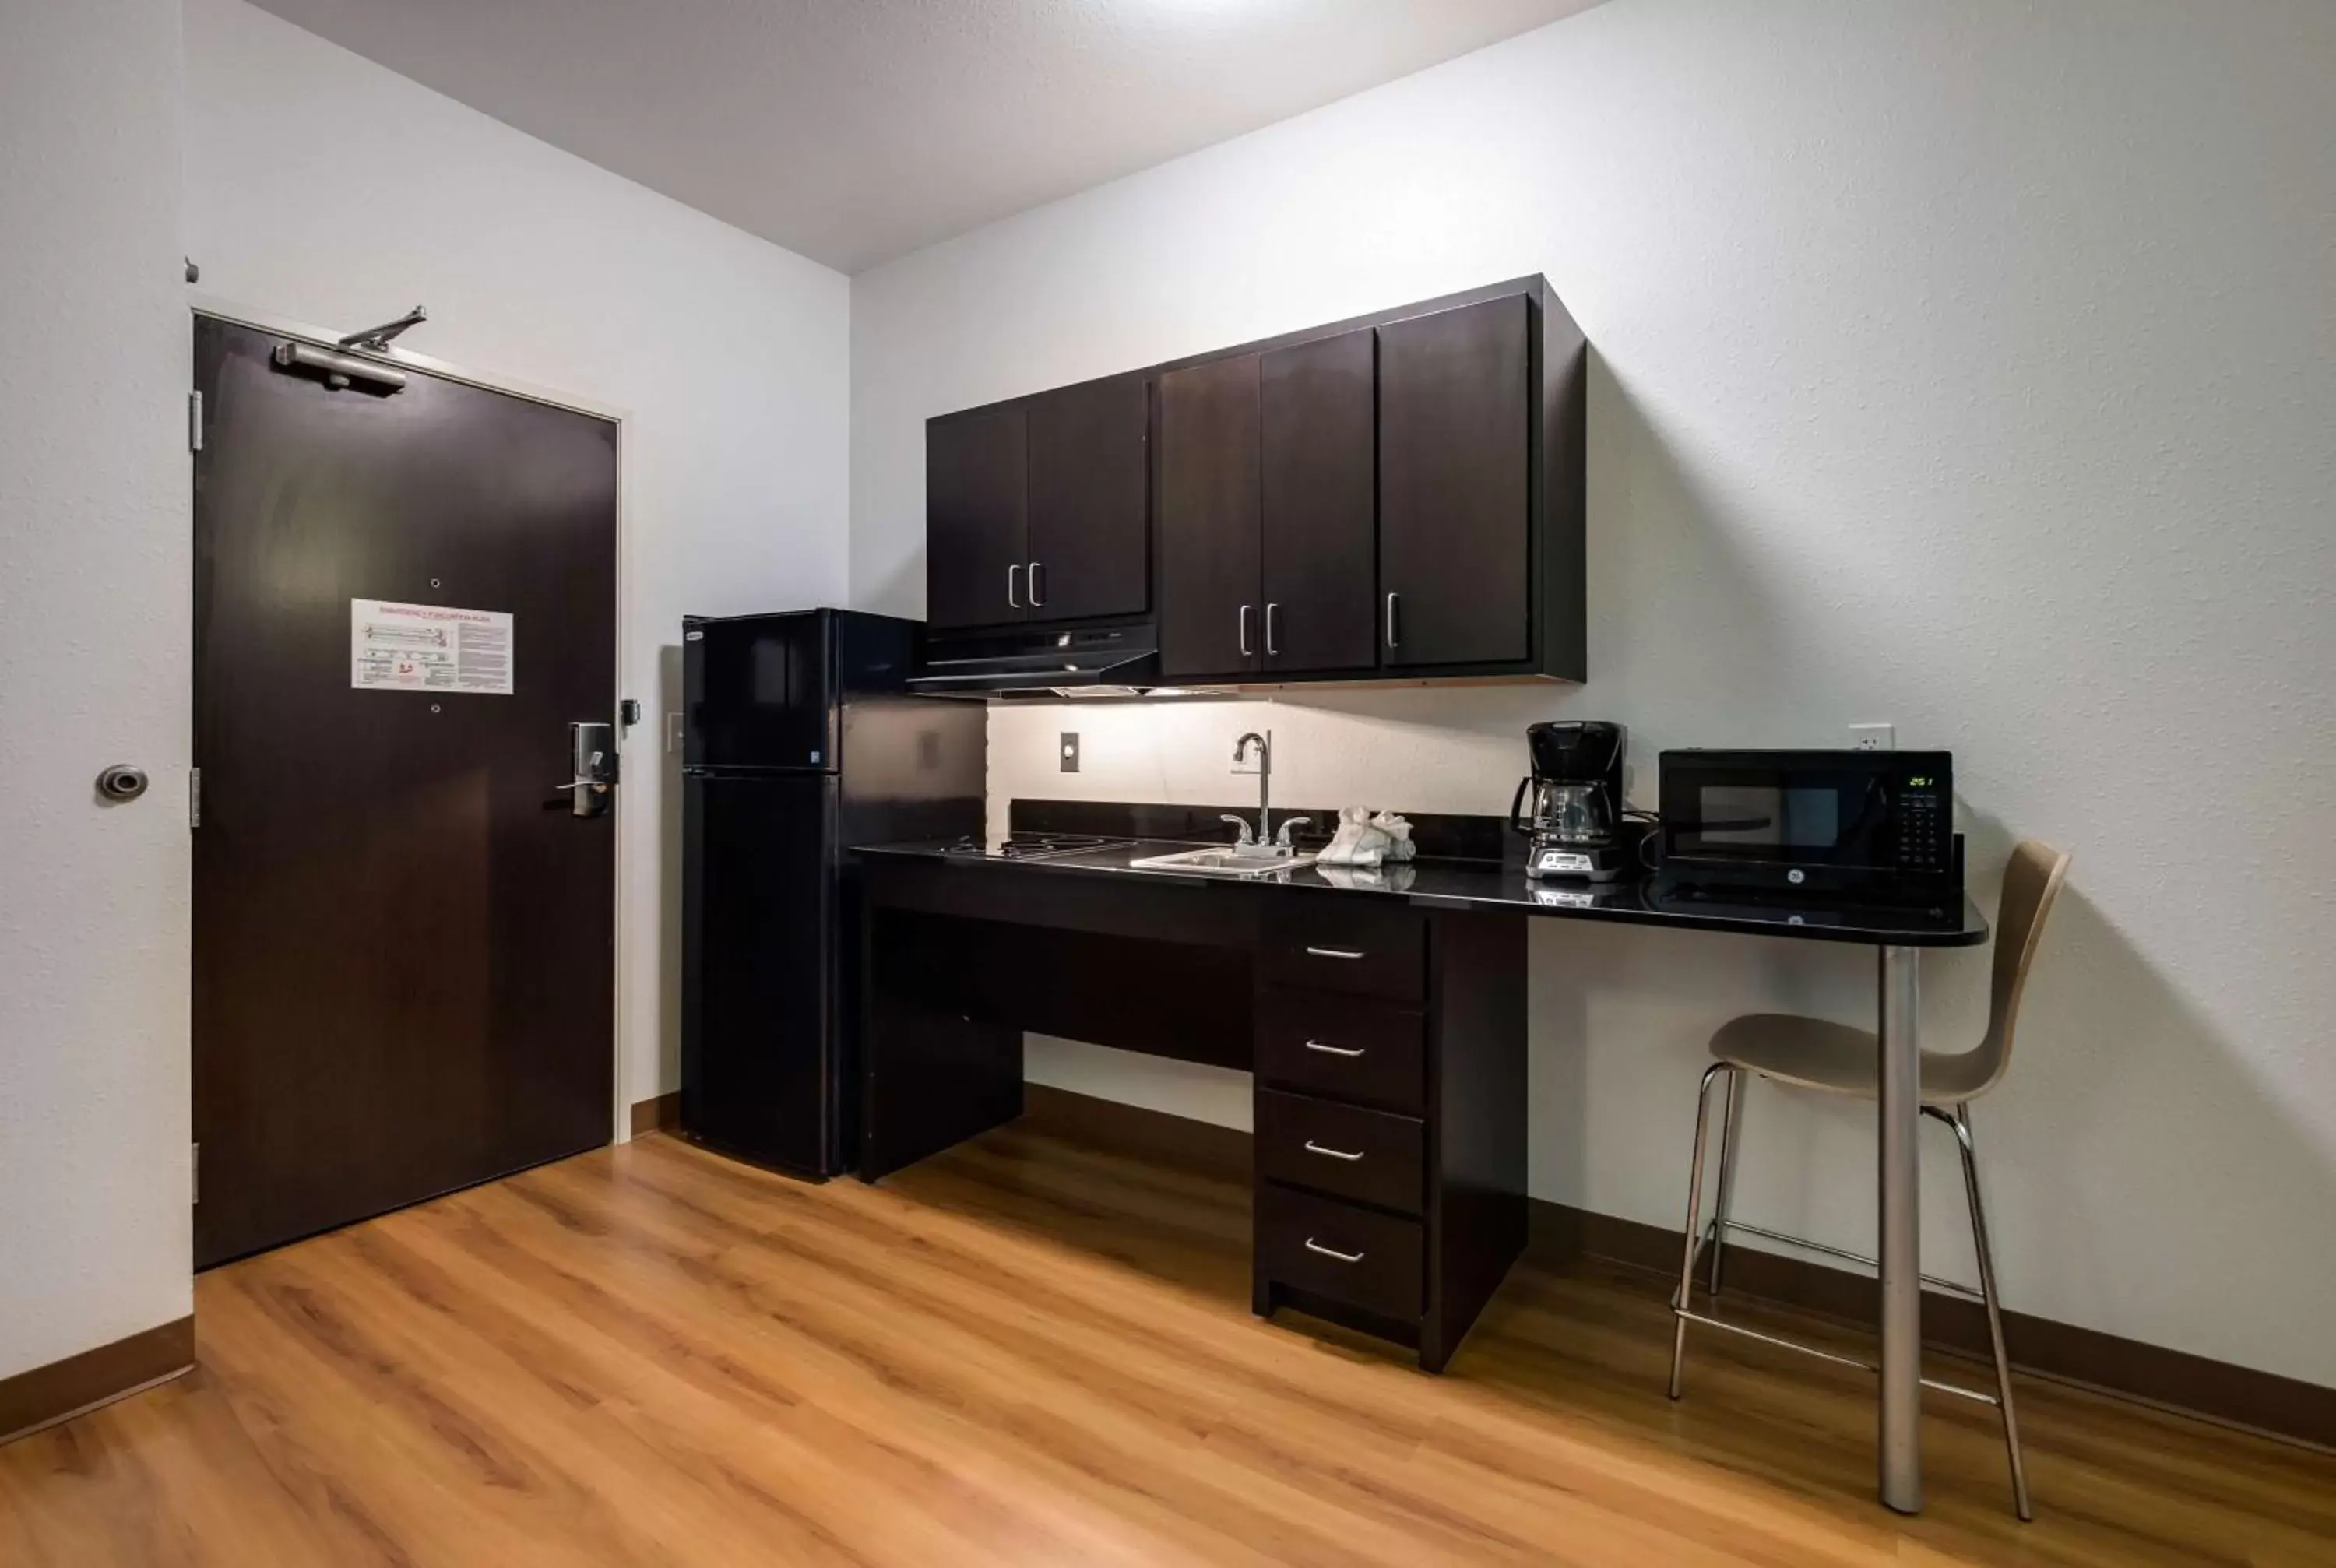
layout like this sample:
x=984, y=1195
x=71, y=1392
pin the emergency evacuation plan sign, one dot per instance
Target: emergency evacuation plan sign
x=428, y=647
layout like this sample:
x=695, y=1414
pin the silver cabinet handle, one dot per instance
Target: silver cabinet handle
x=1244, y=630
x=1335, y=952
x=1334, y=1050
x=1038, y=585
x=1390, y=620
x=1272, y=647
x=1314, y=1246
x=1013, y=576
x=1314, y=1148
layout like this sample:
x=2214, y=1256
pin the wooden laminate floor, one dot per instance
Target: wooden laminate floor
x=1027, y=1352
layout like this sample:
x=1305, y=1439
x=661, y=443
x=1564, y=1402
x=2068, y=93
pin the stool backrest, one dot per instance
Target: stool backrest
x=2032, y=880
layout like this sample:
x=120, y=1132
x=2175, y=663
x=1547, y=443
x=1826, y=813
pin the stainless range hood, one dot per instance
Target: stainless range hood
x=1080, y=661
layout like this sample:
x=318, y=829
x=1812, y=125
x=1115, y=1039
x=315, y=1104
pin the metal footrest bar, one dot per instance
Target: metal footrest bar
x=1958, y=1287
x=1835, y=1358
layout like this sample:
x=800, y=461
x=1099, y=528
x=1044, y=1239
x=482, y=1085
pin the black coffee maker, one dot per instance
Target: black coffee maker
x=1573, y=826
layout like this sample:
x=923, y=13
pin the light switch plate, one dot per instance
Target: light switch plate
x=1873, y=736
x=1069, y=751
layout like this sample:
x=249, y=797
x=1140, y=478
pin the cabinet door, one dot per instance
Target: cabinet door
x=1089, y=546
x=1210, y=612
x=977, y=511
x=1320, y=505
x=1454, y=552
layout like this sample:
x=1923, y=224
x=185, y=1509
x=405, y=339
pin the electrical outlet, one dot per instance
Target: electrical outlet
x=1873, y=736
x=1070, y=751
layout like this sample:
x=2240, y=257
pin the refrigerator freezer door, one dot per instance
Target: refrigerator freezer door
x=760, y=1077
x=761, y=691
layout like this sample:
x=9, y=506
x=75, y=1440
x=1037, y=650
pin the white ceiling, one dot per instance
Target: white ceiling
x=854, y=131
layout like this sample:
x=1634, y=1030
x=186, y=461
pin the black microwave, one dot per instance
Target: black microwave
x=1871, y=827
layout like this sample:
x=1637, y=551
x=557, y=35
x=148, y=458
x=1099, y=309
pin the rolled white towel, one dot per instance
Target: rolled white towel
x=1356, y=841
x=1397, y=830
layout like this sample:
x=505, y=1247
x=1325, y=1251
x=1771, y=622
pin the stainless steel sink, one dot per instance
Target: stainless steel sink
x=1225, y=862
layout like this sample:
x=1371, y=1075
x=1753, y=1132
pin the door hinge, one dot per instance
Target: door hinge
x=194, y=422
x=195, y=1173
x=194, y=797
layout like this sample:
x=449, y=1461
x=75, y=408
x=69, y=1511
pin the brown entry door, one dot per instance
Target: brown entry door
x=403, y=961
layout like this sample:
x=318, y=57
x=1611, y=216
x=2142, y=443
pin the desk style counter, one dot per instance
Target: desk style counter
x=1382, y=1014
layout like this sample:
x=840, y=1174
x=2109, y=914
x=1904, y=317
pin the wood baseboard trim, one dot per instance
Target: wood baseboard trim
x=44, y=1395
x=662, y=1114
x=2230, y=1396
x=2219, y=1391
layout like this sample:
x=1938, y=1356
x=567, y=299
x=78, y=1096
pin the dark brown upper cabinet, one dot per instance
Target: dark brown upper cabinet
x=1265, y=512
x=1318, y=498
x=1211, y=605
x=1456, y=449
x=1035, y=510
x=1090, y=548
x=1396, y=496
x=976, y=518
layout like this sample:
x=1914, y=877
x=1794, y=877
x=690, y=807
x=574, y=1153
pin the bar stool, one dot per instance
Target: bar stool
x=1812, y=1054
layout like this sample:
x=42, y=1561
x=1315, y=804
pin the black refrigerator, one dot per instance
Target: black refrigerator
x=802, y=741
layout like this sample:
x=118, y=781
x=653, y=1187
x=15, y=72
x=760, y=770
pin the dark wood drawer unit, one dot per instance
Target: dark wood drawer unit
x=1388, y=1041
x=1338, y=1251
x=1353, y=1048
x=1351, y=946
x=1346, y=1150
x=1390, y=1071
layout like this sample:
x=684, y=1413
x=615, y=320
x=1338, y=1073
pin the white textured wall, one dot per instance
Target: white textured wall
x=1970, y=367
x=326, y=188
x=95, y=596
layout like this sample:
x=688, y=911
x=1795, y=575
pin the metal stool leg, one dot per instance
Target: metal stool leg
x=1693, y=1206
x=1731, y=1117
x=1962, y=1125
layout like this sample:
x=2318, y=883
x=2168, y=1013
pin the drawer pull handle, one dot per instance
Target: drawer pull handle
x=1335, y=952
x=1334, y=1050
x=1314, y=1148
x=1314, y=1246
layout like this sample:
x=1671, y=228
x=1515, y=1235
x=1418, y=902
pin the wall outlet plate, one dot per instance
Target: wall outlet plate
x=1873, y=736
x=1068, y=752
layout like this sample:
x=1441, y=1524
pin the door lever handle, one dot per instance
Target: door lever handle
x=592, y=762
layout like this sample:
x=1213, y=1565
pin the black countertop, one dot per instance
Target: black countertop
x=1493, y=885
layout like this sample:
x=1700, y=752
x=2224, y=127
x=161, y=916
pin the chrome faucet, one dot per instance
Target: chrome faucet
x=1264, y=744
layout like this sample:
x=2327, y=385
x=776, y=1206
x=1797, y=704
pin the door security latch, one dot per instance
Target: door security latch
x=592, y=757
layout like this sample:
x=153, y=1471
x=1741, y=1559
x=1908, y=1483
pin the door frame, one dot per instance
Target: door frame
x=200, y=303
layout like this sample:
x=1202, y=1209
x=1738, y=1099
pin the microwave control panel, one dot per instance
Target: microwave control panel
x=1925, y=823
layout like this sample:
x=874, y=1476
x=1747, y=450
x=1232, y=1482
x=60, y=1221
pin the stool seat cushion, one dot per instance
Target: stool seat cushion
x=1818, y=1055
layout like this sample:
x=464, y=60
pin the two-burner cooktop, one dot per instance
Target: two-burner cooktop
x=1036, y=846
